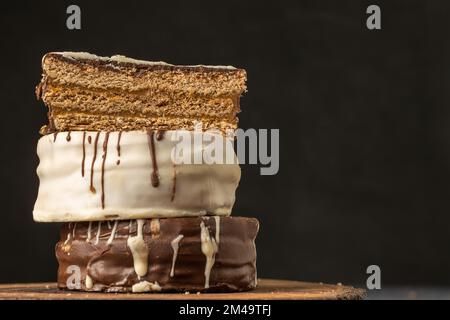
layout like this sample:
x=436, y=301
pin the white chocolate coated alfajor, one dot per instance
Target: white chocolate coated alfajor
x=95, y=176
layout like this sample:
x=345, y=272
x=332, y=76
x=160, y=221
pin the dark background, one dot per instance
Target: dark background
x=363, y=116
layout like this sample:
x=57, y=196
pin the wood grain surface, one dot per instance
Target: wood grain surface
x=268, y=289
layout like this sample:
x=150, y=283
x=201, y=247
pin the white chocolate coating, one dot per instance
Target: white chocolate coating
x=124, y=59
x=184, y=190
x=145, y=286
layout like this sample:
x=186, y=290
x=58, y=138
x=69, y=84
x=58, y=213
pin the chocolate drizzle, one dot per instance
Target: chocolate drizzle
x=174, y=183
x=55, y=135
x=68, y=138
x=89, y=139
x=151, y=147
x=94, y=157
x=160, y=135
x=105, y=151
x=118, y=143
x=51, y=123
x=84, y=154
x=118, y=146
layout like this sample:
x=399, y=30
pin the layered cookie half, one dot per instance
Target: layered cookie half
x=136, y=219
x=87, y=92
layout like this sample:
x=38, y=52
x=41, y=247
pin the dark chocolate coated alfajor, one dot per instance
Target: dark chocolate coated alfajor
x=206, y=254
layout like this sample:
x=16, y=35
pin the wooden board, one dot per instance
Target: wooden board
x=268, y=289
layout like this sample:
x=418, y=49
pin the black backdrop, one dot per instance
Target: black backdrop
x=363, y=117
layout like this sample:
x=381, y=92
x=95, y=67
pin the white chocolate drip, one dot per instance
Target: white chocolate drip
x=139, y=250
x=130, y=225
x=99, y=229
x=113, y=233
x=89, y=283
x=145, y=286
x=68, y=238
x=109, y=224
x=89, y=235
x=123, y=59
x=209, y=249
x=217, y=218
x=73, y=230
x=175, y=245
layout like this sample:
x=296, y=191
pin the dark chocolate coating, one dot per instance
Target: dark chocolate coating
x=111, y=268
